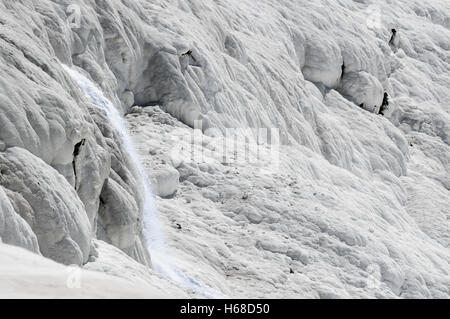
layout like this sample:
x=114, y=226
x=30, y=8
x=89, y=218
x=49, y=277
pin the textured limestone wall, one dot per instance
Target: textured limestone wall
x=58, y=154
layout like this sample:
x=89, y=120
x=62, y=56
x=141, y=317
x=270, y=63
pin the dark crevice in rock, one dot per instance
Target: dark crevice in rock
x=76, y=152
x=149, y=103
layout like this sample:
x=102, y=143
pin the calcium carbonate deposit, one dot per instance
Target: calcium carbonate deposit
x=212, y=148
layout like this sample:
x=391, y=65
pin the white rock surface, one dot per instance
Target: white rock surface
x=44, y=112
x=342, y=234
x=27, y=275
x=359, y=207
x=363, y=89
x=165, y=180
x=113, y=262
x=14, y=230
x=49, y=205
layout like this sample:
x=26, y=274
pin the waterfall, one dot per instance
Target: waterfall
x=152, y=228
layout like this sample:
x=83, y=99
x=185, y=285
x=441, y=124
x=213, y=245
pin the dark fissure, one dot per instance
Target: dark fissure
x=76, y=152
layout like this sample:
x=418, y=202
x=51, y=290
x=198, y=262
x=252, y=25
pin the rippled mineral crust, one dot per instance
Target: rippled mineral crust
x=358, y=206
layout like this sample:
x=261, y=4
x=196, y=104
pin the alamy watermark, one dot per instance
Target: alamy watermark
x=374, y=17
x=232, y=146
x=73, y=279
x=74, y=16
x=373, y=280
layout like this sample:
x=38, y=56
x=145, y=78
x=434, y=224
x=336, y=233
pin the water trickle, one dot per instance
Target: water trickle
x=153, y=233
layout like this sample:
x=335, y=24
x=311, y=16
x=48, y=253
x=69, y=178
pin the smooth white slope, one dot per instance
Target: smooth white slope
x=26, y=275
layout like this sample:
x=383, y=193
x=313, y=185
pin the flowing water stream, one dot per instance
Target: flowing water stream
x=153, y=232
